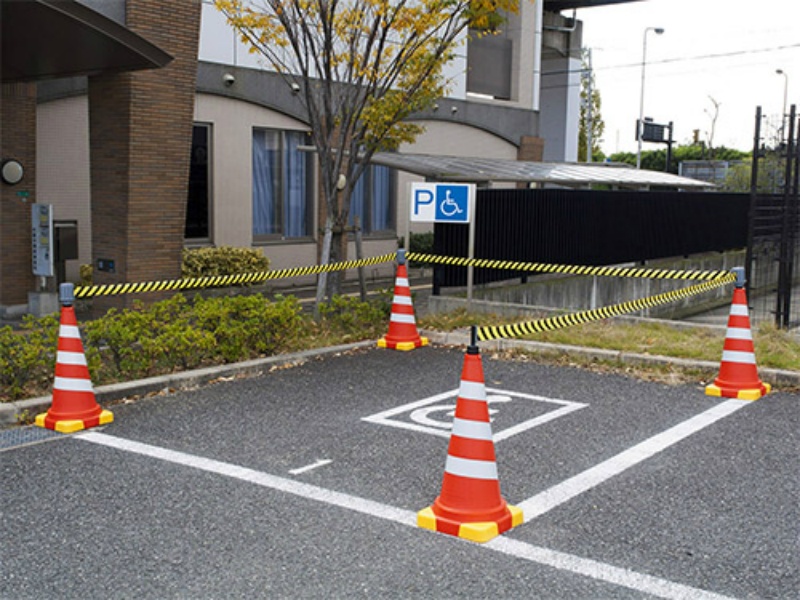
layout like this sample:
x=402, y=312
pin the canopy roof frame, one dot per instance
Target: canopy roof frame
x=491, y=170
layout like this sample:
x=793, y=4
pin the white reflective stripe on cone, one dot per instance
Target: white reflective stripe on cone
x=70, y=358
x=471, y=390
x=69, y=331
x=401, y=318
x=738, y=357
x=474, y=469
x=739, y=333
x=70, y=384
x=406, y=300
x=739, y=310
x=474, y=430
x=401, y=282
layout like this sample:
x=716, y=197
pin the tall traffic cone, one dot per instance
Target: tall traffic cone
x=738, y=375
x=403, y=334
x=74, y=406
x=470, y=505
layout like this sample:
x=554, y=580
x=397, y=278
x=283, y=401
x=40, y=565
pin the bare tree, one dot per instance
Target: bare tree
x=713, y=115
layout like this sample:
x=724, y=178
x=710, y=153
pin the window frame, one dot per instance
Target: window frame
x=369, y=204
x=280, y=188
x=209, y=158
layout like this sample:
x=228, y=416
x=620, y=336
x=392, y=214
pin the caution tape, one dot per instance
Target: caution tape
x=645, y=273
x=194, y=283
x=563, y=321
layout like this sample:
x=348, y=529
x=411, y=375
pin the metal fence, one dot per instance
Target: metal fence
x=582, y=227
x=773, y=251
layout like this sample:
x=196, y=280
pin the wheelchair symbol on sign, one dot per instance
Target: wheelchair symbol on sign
x=422, y=415
x=450, y=207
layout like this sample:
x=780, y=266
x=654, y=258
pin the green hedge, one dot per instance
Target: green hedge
x=208, y=262
x=179, y=334
x=421, y=243
x=225, y=260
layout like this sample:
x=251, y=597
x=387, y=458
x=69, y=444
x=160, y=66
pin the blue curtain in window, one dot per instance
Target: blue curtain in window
x=266, y=145
x=381, y=218
x=295, y=194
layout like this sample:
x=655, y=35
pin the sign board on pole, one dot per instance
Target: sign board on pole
x=442, y=202
x=42, y=239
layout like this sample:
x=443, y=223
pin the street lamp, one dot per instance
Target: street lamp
x=785, y=92
x=639, y=126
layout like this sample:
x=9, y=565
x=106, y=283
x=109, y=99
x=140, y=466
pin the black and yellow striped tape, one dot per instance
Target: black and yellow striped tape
x=560, y=322
x=645, y=273
x=223, y=280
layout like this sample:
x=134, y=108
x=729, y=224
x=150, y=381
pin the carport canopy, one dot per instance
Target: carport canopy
x=491, y=170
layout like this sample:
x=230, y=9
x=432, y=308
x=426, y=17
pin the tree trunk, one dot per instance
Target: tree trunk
x=338, y=253
x=322, y=278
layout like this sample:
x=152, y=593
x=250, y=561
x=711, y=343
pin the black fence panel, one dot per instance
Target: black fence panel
x=586, y=227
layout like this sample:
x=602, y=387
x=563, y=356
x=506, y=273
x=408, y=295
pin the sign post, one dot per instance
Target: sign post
x=446, y=203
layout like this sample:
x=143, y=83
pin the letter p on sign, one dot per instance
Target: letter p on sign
x=423, y=205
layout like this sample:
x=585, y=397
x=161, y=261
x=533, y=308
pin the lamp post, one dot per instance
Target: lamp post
x=639, y=127
x=785, y=93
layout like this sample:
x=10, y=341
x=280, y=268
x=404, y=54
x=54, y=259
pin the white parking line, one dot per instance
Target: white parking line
x=547, y=500
x=320, y=463
x=622, y=577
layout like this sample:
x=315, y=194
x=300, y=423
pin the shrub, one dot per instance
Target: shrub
x=225, y=260
x=86, y=275
x=181, y=334
x=347, y=317
x=27, y=357
x=248, y=326
x=422, y=243
x=117, y=336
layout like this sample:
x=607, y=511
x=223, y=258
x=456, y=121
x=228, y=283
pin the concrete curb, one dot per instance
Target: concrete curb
x=9, y=411
x=777, y=377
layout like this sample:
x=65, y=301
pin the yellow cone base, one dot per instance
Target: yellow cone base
x=476, y=532
x=71, y=426
x=714, y=390
x=404, y=346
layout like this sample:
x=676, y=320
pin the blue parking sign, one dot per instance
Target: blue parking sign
x=441, y=202
x=452, y=204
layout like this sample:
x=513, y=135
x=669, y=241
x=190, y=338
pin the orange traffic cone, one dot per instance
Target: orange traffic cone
x=403, y=333
x=470, y=505
x=738, y=375
x=74, y=406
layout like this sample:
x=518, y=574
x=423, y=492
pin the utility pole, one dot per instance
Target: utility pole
x=589, y=104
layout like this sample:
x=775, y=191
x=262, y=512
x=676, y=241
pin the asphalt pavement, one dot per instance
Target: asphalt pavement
x=304, y=482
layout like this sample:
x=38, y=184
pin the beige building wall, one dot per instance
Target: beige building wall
x=232, y=124
x=62, y=174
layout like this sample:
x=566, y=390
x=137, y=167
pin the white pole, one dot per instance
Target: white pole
x=589, y=109
x=471, y=251
x=639, y=124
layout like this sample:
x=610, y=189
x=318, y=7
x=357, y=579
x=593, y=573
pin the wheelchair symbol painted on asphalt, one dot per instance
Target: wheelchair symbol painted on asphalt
x=421, y=415
x=510, y=412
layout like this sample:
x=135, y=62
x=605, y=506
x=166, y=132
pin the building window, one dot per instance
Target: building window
x=198, y=201
x=282, y=185
x=373, y=200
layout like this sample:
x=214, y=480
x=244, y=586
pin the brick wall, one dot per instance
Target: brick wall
x=140, y=135
x=18, y=135
x=531, y=148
